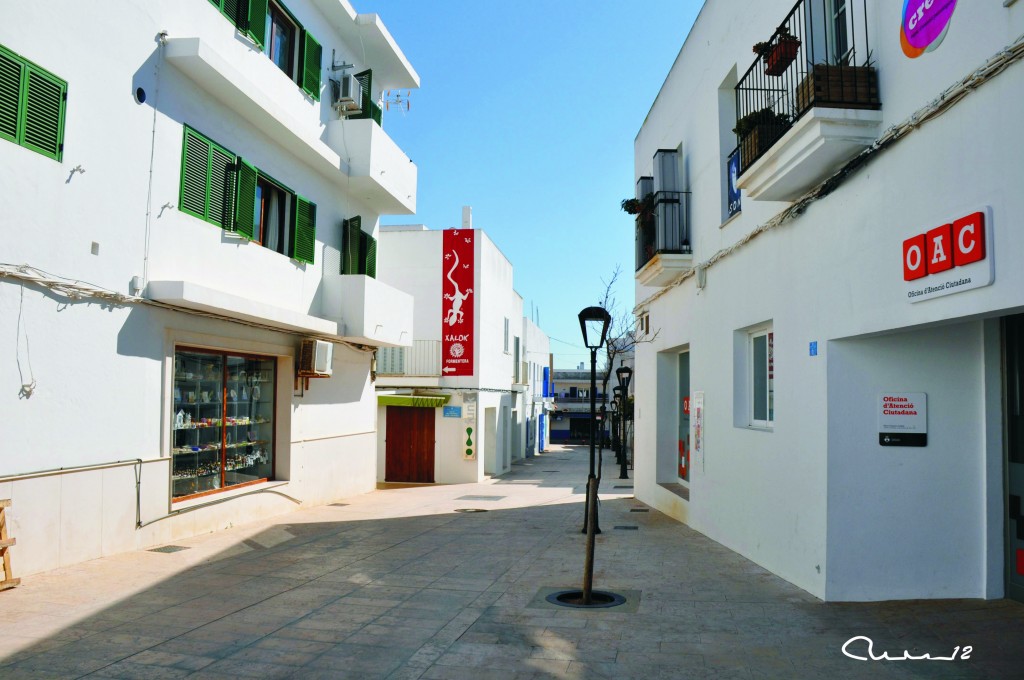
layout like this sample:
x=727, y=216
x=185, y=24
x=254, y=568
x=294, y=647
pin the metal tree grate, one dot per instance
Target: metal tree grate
x=169, y=549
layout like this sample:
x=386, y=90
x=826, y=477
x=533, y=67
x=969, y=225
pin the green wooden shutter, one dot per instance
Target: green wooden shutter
x=304, y=245
x=311, y=58
x=371, y=257
x=44, y=113
x=365, y=80
x=256, y=21
x=352, y=230
x=222, y=187
x=195, y=161
x=245, y=200
x=10, y=95
x=237, y=11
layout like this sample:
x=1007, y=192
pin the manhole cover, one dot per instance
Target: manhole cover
x=639, y=510
x=599, y=599
x=168, y=549
x=626, y=528
x=470, y=510
x=479, y=498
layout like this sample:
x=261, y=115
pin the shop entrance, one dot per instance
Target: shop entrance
x=409, y=444
x=1013, y=344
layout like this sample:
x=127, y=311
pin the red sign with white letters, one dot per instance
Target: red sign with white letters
x=457, y=302
x=942, y=248
x=949, y=258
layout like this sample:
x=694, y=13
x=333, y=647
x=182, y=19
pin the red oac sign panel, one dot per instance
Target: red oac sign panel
x=457, y=302
x=949, y=258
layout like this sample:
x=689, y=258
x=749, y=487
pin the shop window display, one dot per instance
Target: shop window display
x=222, y=421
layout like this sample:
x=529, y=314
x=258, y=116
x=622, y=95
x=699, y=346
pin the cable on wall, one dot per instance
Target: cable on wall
x=953, y=95
x=76, y=290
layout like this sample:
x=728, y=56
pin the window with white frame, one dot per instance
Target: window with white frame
x=762, y=377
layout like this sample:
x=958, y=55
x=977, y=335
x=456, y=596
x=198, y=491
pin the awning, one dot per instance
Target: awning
x=412, y=400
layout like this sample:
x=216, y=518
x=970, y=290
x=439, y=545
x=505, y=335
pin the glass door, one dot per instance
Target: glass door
x=222, y=421
x=197, y=425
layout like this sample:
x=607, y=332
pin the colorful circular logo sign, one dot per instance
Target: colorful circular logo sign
x=925, y=24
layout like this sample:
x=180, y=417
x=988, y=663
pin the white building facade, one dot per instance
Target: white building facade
x=833, y=387
x=179, y=202
x=442, y=428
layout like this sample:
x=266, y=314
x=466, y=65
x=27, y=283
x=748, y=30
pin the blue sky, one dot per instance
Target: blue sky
x=527, y=112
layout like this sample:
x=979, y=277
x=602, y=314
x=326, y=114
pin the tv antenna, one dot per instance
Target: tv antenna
x=397, y=99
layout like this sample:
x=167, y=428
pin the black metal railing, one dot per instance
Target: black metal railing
x=662, y=227
x=819, y=56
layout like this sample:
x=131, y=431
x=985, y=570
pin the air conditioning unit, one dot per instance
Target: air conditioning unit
x=348, y=95
x=315, y=358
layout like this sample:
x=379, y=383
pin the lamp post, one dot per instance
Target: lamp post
x=624, y=374
x=618, y=409
x=594, y=325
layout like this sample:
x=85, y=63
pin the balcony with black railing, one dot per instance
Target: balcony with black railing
x=810, y=100
x=662, y=237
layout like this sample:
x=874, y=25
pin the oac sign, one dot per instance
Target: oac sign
x=950, y=258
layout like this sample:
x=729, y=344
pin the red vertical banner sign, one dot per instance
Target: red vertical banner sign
x=457, y=302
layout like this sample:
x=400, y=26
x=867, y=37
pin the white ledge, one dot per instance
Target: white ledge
x=663, y=267
x=812, y=150
x=193, y=296
x=390, y=67
x=287, y=116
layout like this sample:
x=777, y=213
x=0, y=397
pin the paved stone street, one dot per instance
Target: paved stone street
x=394, y=584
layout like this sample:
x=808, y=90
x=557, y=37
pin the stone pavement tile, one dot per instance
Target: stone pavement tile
x=196, y=648
x=359, y=661
x=398, y=636
x=620, y=671
x=473, y=673
x=127, y=670
x=153, y=657
x=246, y=669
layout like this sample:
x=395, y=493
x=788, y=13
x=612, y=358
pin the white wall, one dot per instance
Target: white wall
x=834, y=276
x=922, y=510
x=103, y=373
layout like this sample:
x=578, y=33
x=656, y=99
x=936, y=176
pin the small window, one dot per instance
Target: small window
x=32, y=106
x=223, y=189
x=762, y=377
x=359, y=254
x=280, y=43
x=273, y=228
x=506, y=335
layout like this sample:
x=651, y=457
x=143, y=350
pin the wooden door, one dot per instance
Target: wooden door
x=409, y=445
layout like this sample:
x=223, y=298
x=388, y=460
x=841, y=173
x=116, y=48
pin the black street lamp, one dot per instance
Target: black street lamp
x=594, y=323
x=624, y=374
x=618, y=408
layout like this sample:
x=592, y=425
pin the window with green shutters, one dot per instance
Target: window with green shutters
x=280, y=36
x=359, y=249
x=224, y=189
x=33, y=102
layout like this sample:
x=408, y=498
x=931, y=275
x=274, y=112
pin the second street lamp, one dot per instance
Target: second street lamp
x=624, y=374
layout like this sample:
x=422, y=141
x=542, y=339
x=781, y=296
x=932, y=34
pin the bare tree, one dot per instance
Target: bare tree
x=623, y=333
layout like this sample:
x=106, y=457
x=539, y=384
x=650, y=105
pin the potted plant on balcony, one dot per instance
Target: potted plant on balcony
x=643, y=208
x=757, y=131
x=839, y=85
x=780, y=53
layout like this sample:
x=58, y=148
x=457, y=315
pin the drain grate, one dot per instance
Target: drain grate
x=339, y=505
x=169, y=549
x=550, y=470
x=639, y=510
x=623, y=487
x=470, y=510
x=627, y=528
x=480, y=498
